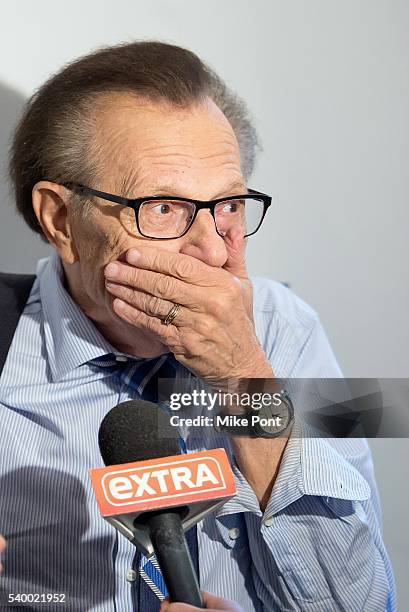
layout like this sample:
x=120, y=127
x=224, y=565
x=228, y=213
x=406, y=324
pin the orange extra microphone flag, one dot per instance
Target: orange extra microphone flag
x=163, y=483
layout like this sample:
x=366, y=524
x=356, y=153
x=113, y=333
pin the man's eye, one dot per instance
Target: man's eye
x=232, y=207
x=161, y=209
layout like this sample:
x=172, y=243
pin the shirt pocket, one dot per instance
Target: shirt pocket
x=306, y=587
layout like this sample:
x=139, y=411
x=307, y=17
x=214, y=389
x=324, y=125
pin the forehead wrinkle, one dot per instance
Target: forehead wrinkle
x=184, y=150
x=174, y=184
x=192, y=163
x=223, y=142
x=133, y=175
x=180, y=169
x=137, y=184
x=193, y=156
x=166, y=152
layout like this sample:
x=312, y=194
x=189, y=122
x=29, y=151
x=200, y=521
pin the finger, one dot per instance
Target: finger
x=180, y=266
x=167, y=334
x=149, y=304
x=159, y=285
x=219, y=603
x=211, y=602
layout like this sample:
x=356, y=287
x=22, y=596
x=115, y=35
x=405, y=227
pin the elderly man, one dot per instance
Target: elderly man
x=133, y=163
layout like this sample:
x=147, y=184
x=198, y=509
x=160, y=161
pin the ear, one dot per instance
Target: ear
x=51, y=206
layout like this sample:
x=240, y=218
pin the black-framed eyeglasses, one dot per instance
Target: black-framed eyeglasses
x=167, y=218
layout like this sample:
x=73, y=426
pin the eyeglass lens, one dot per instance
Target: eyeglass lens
x=171, y=218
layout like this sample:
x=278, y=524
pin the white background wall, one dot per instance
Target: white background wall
x=327, y=83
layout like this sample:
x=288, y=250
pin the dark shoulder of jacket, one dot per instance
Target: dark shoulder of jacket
x=14, y=292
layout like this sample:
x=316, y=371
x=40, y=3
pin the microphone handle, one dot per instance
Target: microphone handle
x=173, y=556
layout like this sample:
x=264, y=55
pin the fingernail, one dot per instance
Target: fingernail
x=132, y=256
x=110, y=285
x=111, y=270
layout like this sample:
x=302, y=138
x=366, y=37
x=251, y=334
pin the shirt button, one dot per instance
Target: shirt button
x=131, y=575
x=121, y=358
x=234, y=533
x=268, y=521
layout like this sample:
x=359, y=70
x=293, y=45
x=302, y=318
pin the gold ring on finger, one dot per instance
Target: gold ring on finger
x=172, y=314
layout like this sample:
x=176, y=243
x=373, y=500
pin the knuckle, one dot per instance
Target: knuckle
x=184, y=268
x=164, y=286
x=204, y=327
x=155, y=261
x=155, y=304
x=128, y=275
x=218, y=306
x=152, y=324
x=127, y=294
x=191, y=345
x=136, y=318
x=175, y=344
x=233, y=289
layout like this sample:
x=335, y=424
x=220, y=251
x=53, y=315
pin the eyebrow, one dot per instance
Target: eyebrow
x=169, y=190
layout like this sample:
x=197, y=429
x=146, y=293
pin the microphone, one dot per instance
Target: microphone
x=152, y=493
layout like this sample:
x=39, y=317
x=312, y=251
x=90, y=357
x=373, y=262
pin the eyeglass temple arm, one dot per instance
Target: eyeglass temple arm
x=82, y=190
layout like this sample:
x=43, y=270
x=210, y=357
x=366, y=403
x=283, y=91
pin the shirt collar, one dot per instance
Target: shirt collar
x=71, y=339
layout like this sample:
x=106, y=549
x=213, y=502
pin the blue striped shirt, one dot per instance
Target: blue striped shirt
x=317, y=546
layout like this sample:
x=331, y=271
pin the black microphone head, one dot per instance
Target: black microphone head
x=135, y=431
